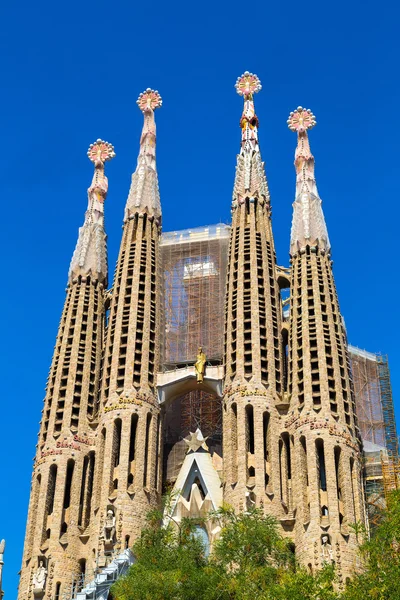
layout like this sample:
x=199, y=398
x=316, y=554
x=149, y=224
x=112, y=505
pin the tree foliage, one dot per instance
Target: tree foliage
x=252, y=561
x=380, y=578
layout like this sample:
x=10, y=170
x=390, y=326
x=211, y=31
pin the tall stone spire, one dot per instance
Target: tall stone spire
x=60, y=509
x=128, y=448
x=253, y=356
x=308, y=225
x=250, y=177
x=144, y=195
x=90, y=256
x=325, y=450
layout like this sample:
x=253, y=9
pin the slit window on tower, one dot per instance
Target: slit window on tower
x=132, y=440
x=34, y=501
x=353, y=491
x=51, y=487
x=339, y=482
x=117, y=442
x=146, y=450
x=83, y=488
x=68, y=483
x=234, y=434
x=157, y=450
x=266, y=446
x=304, y=479
x=57, y=595
x=319, y=445
x=250, y=428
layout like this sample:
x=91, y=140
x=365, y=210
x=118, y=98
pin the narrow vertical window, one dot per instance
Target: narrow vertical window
x=234, y=442
x=146, y=450
x=100, y=464
x=266, y=439
x=67, y=496
x=117, y=442
x=285, y=469
x=158, y=450
x=319, y=444
x=339, y=483
x=57, y=595
x=49, y=504
x=304, y=479
x=132, y=449
x=354, y=490
x=34, y=502
x=83, y=488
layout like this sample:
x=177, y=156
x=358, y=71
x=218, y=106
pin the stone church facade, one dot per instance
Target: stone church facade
x=271, y=423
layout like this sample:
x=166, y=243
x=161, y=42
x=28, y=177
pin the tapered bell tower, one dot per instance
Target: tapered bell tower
x=322, y=424
x=129, y=444
x=60, y=504
x=253, y=349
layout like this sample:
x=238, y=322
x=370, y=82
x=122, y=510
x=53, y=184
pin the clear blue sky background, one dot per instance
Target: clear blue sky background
x=71, y=72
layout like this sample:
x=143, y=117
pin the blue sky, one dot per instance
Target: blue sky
x=71, y=72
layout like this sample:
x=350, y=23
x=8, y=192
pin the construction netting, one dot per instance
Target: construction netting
x=374, y=402
x=193, y=262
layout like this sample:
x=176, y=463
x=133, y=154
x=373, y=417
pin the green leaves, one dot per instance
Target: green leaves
x=252, y=561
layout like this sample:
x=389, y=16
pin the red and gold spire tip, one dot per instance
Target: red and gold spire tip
x=248, y=84
x=149, y=100
x=100, y=152
x=301, y=119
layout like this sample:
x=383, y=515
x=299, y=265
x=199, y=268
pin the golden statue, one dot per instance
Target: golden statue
x=200, y=365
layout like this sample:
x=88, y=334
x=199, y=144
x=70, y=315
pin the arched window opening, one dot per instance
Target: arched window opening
x=319, y=444
x=51, y=487
x=250, y=428
x=304, y=479
x=285, y=470
x=57, y=594
x=339, y=483
x=81, y=575
x=234, y=442
x=266, y=440
x=117, y=442
x=146, y=450
x=68, y=483
x=83, y=488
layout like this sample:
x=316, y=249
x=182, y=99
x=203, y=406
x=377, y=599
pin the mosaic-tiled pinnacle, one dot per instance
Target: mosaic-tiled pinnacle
x=90, y=256
x=308, y=224
x=144, y=195
x=250, y=179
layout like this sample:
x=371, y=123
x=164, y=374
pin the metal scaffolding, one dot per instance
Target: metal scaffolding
x=194, y=271
x=374, y=401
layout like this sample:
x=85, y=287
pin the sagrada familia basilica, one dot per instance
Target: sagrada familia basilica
x=206, y=367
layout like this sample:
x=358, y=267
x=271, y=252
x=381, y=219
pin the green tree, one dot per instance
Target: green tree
x=380, y=578
x=250, y=560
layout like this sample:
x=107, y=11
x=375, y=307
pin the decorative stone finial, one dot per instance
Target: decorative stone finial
x=100, y=151
x=144, y=195
x=301, y=119
x=248, y=84
x=149, y=100
x=90, y=256
x=308, y=224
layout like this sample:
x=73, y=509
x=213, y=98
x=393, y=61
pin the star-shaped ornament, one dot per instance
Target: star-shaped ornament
x=195, y=441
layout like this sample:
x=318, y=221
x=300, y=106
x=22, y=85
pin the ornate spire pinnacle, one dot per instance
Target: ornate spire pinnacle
x=250, y=180
x=308, y=224
x=144, y=195
x=90, y=256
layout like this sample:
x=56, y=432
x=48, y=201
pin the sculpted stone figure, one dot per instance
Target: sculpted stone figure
x=326, y=552
x=39, y=578
x=200, y=365
x=109, y=527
